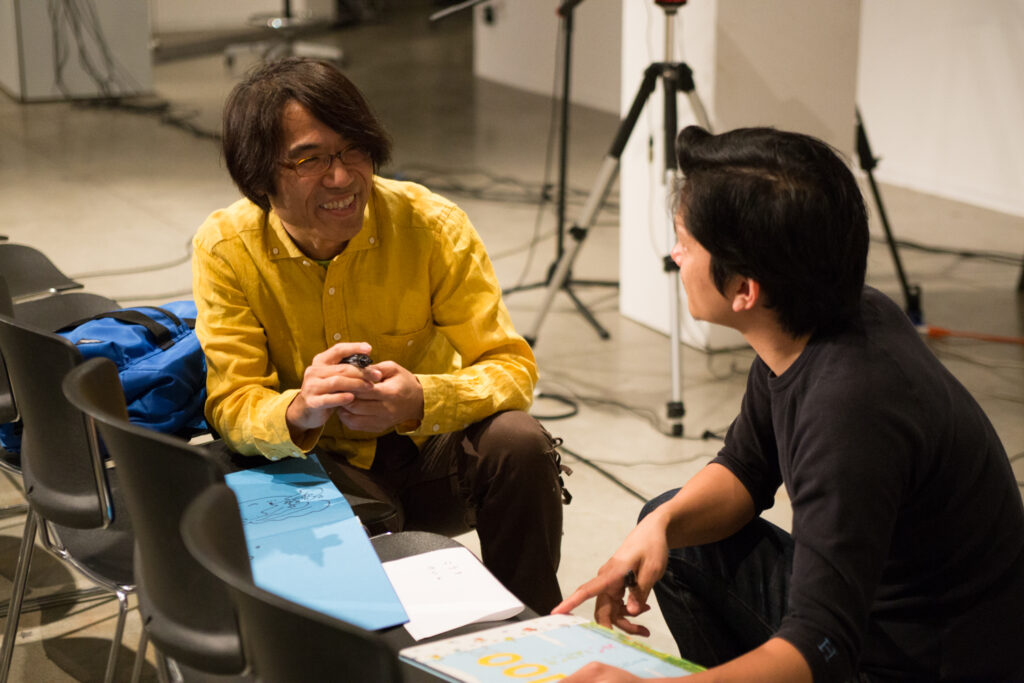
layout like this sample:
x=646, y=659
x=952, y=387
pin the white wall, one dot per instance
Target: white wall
x=522, y=47
x=940, y=82
x=941, y=89
x=10, y=71
x=202, y=15
x=30, y=72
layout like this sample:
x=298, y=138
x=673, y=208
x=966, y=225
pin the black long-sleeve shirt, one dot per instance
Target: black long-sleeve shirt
x=907, y=520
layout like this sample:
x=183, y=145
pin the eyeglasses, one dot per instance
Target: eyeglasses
x=321, y=163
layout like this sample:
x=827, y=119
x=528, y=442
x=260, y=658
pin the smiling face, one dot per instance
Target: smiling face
x=323, y=212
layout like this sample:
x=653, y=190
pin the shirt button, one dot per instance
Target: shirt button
x=409, y=343
x=305, y=262
x=437, y=428
x=331, y=291
x=337, y=336
x=274, y=251
x=373, y=240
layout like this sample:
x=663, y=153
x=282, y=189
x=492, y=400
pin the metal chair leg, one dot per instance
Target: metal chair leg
x=140, y=656
x=115, y=645
x=28, y=540
x=163, y=668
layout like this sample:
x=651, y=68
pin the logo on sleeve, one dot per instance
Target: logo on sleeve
x=827, y=649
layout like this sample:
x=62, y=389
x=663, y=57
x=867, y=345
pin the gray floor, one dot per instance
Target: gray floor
x=104, y=190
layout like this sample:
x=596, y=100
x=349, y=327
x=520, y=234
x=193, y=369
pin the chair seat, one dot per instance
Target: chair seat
x=106, y=552
x=408, y=543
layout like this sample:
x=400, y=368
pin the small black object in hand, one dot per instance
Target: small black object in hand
x=360, y=360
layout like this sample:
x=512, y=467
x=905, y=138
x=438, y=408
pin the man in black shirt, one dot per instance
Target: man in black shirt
x=906, y=558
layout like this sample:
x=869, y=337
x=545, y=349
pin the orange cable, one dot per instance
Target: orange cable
x=941, y=332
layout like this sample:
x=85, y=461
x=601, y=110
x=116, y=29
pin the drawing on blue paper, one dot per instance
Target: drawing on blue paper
x=277, y=508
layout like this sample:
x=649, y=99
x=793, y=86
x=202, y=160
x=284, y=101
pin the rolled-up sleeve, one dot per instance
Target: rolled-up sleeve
x=498, y=368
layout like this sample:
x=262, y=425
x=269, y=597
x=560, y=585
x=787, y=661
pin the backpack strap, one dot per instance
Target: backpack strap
x=163, y=336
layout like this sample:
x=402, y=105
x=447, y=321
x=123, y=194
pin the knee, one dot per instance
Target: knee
x=513, y=445
x=650, y=505
x=513, y=432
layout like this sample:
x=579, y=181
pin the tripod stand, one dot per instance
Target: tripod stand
x=674, y=76
x=565, y=281
x=911, y=293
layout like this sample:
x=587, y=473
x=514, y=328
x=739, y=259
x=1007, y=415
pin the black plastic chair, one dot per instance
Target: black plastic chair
x=29, y=272
x=186, y=612
x=49, y=313
x=73, y=498
x=60, y=310
x=283, y=641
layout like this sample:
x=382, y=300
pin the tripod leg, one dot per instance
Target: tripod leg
x=684, y=81
x=674, y=408
x=911, y=293
x=560, y=274
x=598, y=193
x=555, y=283
x=585, y=312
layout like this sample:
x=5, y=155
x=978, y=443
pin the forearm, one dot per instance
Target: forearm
x=714, y=504
x=497, y=382
x=253, y=422
x=776, y=661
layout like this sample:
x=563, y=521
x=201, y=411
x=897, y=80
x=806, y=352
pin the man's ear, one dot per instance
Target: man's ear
x=746, y=292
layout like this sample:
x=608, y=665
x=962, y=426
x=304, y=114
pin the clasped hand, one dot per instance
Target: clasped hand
x=371, y=399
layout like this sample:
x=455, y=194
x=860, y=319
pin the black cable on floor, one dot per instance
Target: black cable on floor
x=605, y=473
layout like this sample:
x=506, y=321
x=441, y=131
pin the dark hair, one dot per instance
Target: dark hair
x=252, y=140
x=780, y=208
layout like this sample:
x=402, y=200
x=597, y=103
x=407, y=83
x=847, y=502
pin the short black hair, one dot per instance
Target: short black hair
x=252, y=133
x=783, y=209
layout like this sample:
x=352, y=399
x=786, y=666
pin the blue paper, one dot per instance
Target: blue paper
x=306, y=544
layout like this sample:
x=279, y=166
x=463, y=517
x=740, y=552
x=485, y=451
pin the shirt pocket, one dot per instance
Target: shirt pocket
x=405, y=349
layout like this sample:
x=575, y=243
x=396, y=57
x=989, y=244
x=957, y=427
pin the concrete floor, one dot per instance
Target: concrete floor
x=102, y=190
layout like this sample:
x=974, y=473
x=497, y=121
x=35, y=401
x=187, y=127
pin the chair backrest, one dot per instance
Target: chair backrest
x=30, y=272
x=283, y=641
x=8, y=411
x=65, y=481
x=187, y=612
x=49, y=313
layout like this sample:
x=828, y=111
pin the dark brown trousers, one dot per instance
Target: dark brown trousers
x=500, y=476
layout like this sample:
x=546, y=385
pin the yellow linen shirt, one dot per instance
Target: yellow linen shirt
x=415, y=283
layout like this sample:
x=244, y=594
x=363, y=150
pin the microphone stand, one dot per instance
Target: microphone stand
x=565, y=11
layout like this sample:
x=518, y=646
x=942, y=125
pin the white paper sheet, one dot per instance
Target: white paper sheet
x=444, y=589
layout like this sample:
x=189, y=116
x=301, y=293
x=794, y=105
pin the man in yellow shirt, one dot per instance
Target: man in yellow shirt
x=323, y=259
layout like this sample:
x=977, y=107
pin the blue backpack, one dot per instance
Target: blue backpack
x=159, y=360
